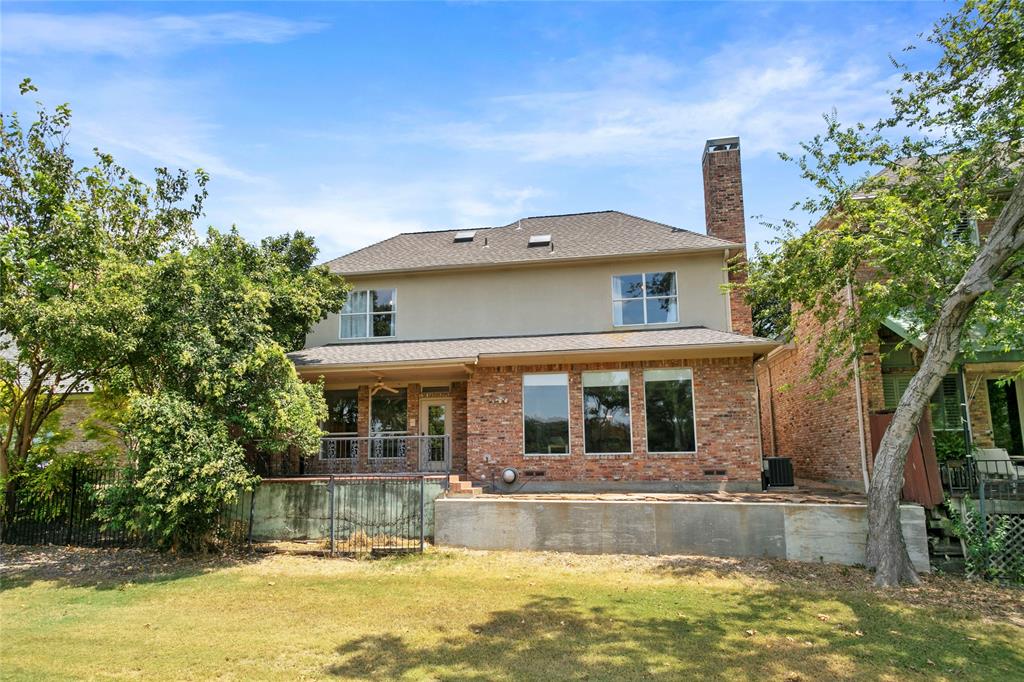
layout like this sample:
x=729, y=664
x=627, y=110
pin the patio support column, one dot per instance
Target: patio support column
x=413, y=426
x=363, y=427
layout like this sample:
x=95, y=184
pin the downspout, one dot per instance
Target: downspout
x=757, y=406
x=860, y=406
x=771, y=407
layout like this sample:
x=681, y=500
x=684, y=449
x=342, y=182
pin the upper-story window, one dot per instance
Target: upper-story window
x=369, y=313
x=644, y=298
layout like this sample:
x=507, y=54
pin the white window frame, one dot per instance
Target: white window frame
x=369, y=315
x=568, y=413
x=644, y=298
x=693, y=407
x=583, y=411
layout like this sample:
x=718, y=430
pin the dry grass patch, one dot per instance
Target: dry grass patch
x=479, y=615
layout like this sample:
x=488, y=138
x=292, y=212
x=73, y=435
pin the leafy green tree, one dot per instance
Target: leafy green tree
x=899, y=242
x=220, y=315
x=104, y=284
x=74, y=245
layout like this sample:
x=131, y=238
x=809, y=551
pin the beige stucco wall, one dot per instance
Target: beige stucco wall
x=535, y=300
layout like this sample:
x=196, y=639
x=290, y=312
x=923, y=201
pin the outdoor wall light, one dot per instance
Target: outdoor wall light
x=509, y=475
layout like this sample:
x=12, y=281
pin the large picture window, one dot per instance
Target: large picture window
x=342, y=411
x=668, y=398
x=606, y=425
x=389, y=412
x=644, y=298
x=546, y=414
x=369, y=313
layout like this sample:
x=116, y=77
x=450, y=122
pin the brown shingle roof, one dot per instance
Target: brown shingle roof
x=373, y=353
x=578, y=235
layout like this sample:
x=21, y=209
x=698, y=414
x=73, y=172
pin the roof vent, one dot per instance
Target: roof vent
x=540, y=240
x=464, y=236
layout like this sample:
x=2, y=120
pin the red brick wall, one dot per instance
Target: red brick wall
x=458, y=417
x=724, y=218
x=726, y=428
x=819, y=433
x=979, y=409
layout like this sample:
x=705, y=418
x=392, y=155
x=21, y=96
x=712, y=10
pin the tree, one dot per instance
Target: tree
x=73, y=246
x=220, y=316
x=104, y=284
x=898, y=242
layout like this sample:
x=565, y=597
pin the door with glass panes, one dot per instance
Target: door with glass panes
x=435, y=432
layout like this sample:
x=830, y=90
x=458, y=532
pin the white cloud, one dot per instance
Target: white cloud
x=146, y=120
x=640, y=107
x=35, y=33
x=344, y=218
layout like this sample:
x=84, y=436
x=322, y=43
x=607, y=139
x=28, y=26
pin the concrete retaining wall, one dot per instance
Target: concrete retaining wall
x=834, y=533
x=298, y=509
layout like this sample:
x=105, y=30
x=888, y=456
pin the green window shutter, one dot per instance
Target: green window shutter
x=951, y=391
x=946, y=406
x=893, y=388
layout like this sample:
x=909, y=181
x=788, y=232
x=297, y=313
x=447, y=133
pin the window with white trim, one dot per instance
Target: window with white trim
x=546, y=414
x=606, y=423
x=644, y=298
x=668, y=404
x=369, y=313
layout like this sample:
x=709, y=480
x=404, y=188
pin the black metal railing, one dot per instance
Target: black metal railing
x=345, y=514
x=66, y=513
x=380, y=453
x=964, y=476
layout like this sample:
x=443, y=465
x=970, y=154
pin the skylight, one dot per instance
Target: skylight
x=464, y=236
x=540, y=240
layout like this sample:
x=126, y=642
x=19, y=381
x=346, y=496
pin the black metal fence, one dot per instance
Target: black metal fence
x=344, y=514
x=65, y=514
x=336, y=514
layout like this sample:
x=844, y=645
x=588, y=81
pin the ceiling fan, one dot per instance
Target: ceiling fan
x=379, y=386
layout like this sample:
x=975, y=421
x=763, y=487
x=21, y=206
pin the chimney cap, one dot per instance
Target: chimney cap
x=721, y=144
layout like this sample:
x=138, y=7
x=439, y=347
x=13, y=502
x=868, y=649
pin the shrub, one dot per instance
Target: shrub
x=186, y=470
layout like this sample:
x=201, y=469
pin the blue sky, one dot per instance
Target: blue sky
x=354, y=122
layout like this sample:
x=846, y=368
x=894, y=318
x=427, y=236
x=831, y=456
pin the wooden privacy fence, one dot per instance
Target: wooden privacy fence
x=921, y=480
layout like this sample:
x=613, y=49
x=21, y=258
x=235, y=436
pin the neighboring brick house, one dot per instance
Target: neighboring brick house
x=587, y=351
x=833, y=439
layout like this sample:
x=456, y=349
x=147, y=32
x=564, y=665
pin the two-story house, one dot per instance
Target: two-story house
x=589, y=351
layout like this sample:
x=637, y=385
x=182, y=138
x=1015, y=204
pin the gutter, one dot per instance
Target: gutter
x=741, y=348
x=753, y=348
x=496, y=265
x=398, y=364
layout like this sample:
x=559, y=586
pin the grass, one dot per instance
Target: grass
x=494, y=616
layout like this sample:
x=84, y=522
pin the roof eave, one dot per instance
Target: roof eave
x=547, y=261
x=730, y=349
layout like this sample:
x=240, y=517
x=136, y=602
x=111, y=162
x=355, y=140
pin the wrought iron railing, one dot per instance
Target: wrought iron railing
x=963, y=476
x=384, y=452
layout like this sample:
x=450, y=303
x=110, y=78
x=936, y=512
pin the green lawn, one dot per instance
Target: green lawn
x=466, y=615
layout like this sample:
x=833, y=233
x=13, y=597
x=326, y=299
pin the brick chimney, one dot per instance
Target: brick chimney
x=723, y=214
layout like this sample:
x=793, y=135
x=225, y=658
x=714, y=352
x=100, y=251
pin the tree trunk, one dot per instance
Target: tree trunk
x=887, y=551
